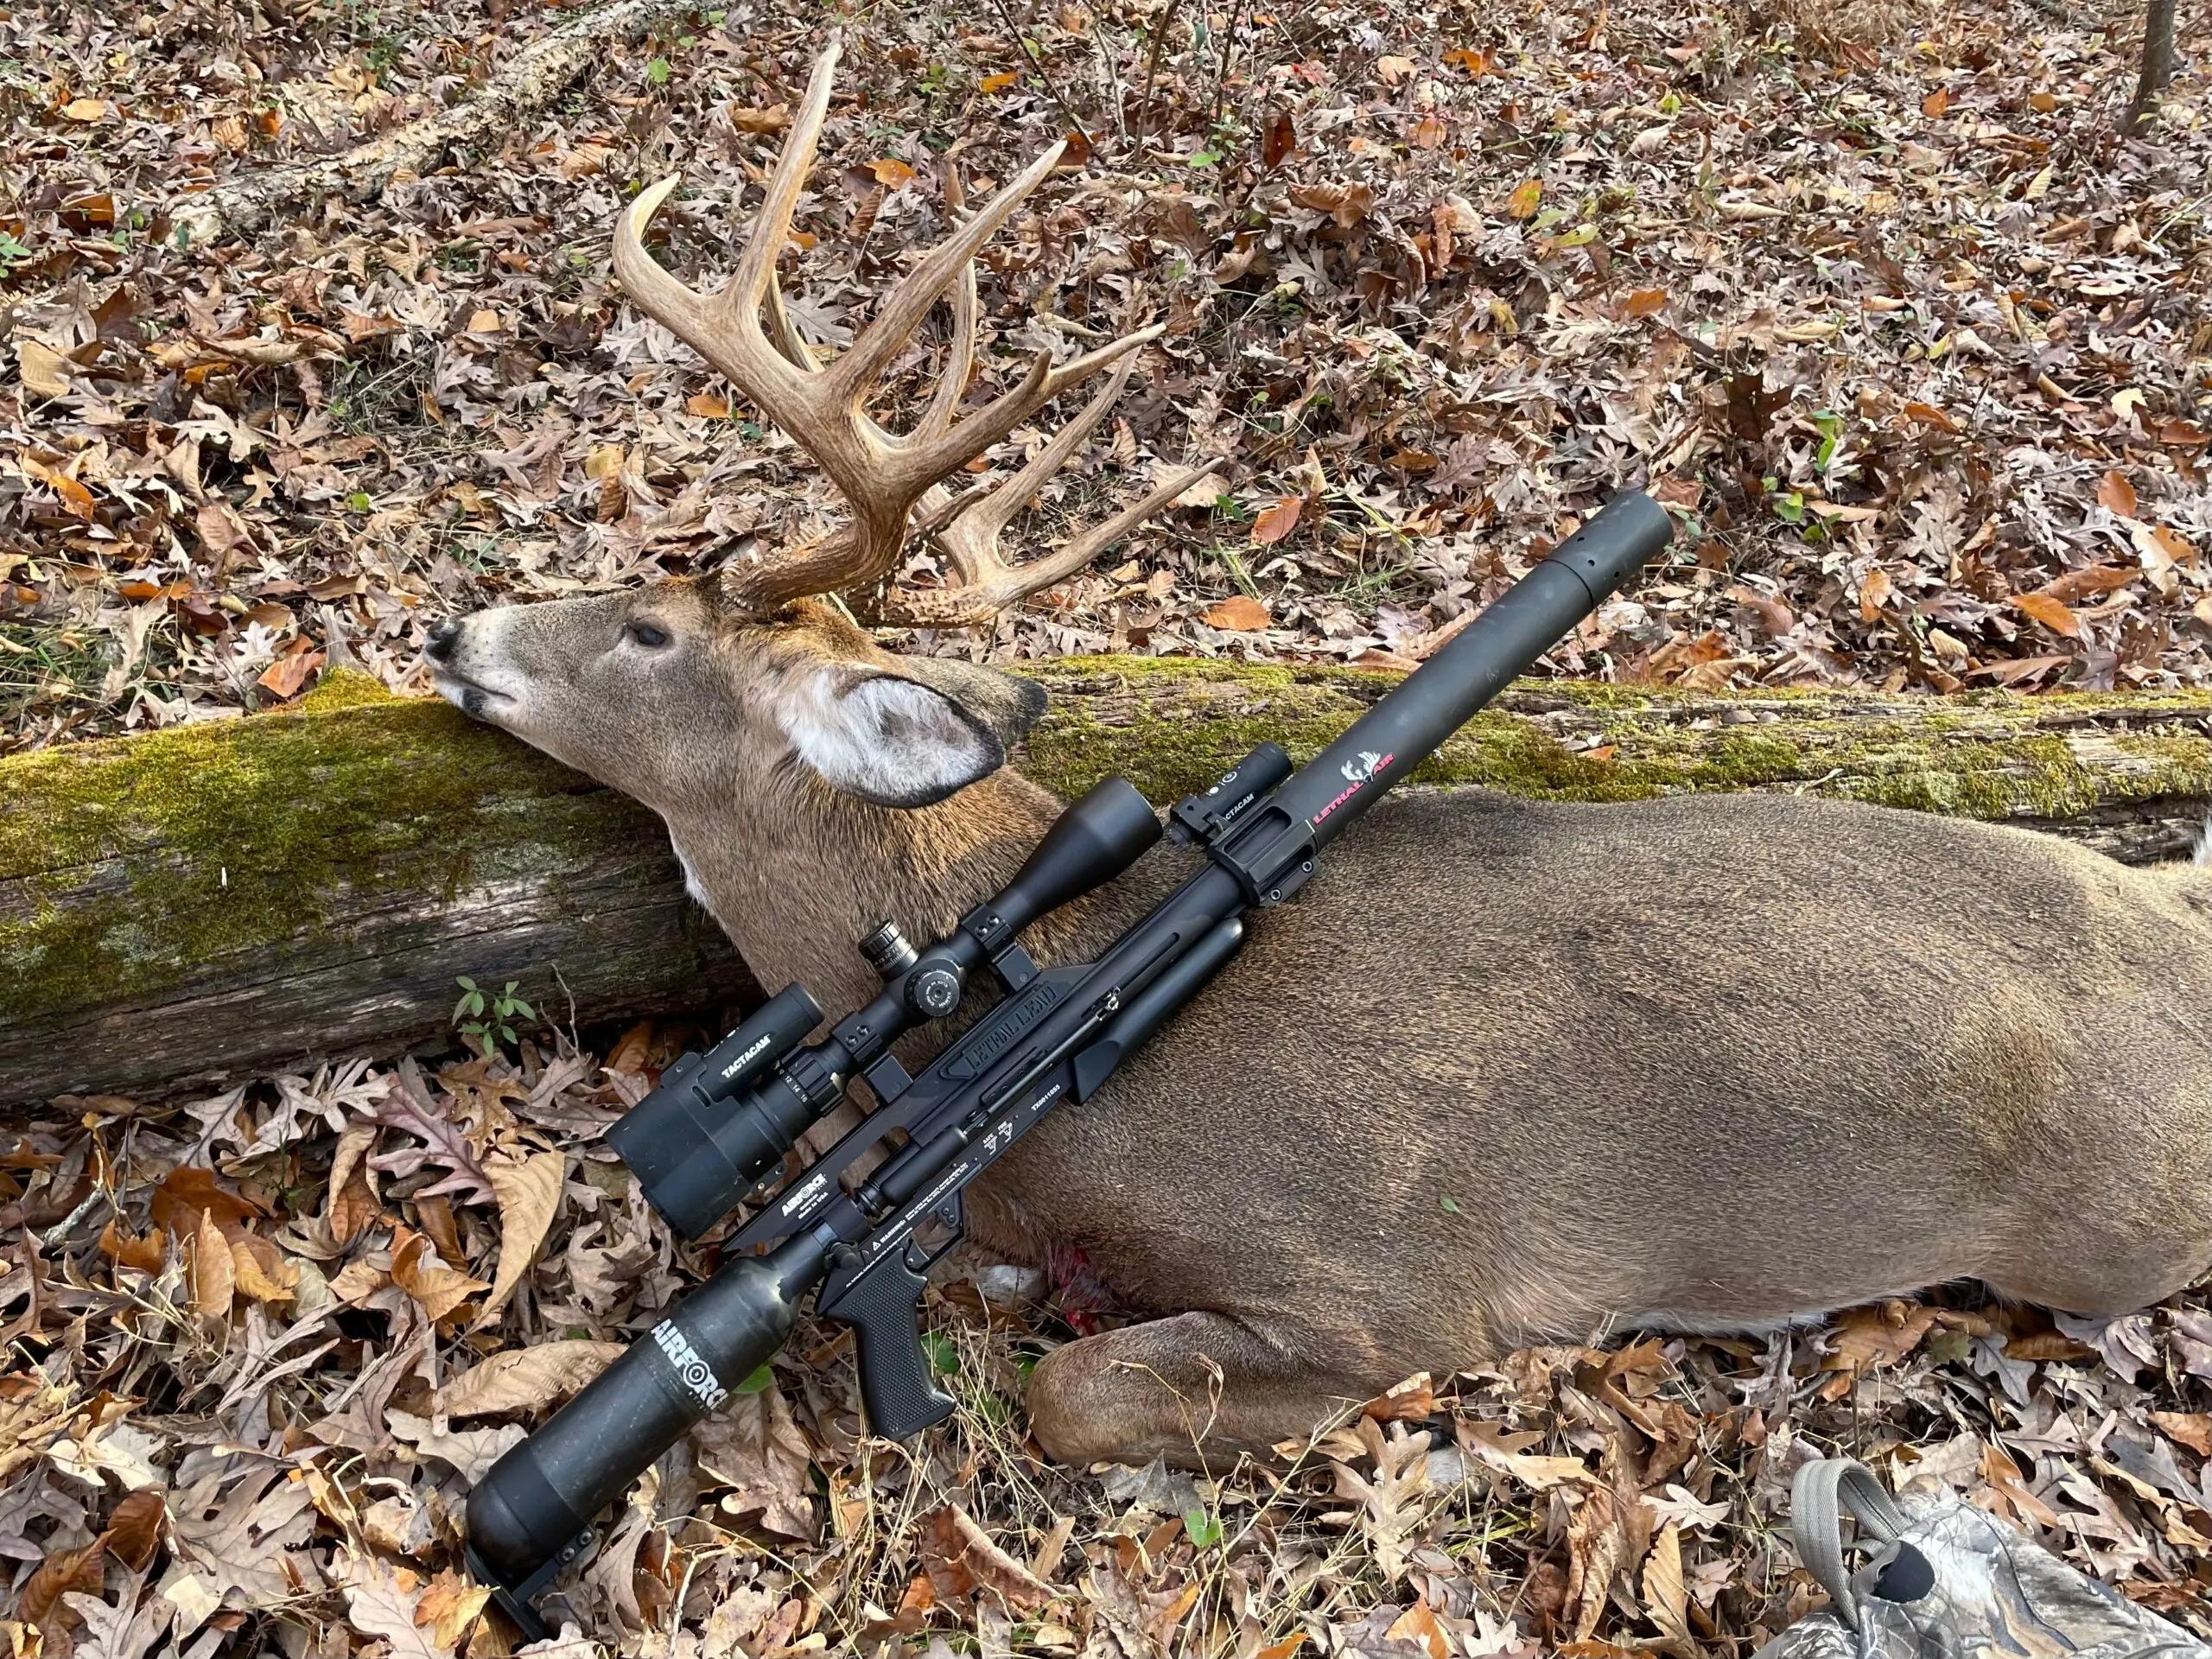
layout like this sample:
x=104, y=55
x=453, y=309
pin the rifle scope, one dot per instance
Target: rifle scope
x=718, y=1122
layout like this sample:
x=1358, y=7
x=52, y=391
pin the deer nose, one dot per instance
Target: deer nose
x=440, y=646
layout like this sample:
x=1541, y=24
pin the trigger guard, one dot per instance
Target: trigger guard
x=952, y=1216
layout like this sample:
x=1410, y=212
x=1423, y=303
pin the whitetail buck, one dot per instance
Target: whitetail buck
x=1506, y=1072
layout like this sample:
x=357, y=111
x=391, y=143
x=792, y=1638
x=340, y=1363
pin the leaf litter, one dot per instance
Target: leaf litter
x=1915, y=348
x=1873, y=296
x=185, y=1472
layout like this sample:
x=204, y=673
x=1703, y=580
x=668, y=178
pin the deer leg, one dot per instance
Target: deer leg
x=1195, y=1387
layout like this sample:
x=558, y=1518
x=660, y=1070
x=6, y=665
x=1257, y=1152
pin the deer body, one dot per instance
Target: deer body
x=1503, y=1073
x=1710, y=1064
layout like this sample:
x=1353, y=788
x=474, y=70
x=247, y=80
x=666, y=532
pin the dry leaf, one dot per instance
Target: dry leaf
x=1238, y=613
x=529, y=1189
x=135, y=1529
x=86, y=108
x=1646, y=302
x=42, y=367
x=2192, y=1428
x=63, y=1570
x=961, y=1559
x=1665, y=1596
x=526, y=1379
x=2115, y=494
x=260, y=1270
x=1522, y=203
x=1392, y=1503
x=145, y=1254
x=416, y=1270
x=382, y=1600
x=1597, y=1542
x=354, y=1202
x=289, y=673
x=449, y=1606
x=214, y=1281
x=1411, y=1401
x=752, y=1447
x=1928, y=415
x=1277, y=520
x=2051, y=613
x=1936, y=102
x=707, y=404
x=892, y=173
x=1417, y=1624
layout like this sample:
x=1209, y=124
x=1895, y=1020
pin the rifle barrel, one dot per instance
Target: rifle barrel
x=1438, y=698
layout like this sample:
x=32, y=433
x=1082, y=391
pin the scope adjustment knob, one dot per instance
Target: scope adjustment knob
x=887, y=951
x=935, y=991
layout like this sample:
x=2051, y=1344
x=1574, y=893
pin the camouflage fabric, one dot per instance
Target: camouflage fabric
x=1947, y=1581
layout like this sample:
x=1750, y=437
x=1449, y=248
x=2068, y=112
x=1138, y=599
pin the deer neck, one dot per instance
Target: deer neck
x=796, y=875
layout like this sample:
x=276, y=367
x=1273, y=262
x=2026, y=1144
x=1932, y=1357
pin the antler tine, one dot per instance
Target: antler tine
x=971, y=528
x=782, y=333
x=959, y=356
x=971, y=536
x=910, y=300
x=726, y=329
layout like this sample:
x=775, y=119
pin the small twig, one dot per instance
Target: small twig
x=1151, y=70
x=1221, y=66
x=1045, y=75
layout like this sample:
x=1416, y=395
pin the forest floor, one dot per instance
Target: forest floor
x=1917, y=347
x=1872, y=295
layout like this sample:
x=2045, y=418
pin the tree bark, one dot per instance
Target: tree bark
x=219, y=900
x=2158, y=71
x=540, y=73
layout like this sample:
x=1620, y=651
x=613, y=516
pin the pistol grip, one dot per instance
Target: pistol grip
x=883, y=1304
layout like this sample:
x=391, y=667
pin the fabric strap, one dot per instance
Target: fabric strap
x=1819, y=1495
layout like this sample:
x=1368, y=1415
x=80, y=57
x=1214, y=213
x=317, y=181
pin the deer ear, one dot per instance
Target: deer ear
x=909, y=738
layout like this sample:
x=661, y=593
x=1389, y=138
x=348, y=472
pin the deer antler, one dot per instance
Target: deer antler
x=882, y=475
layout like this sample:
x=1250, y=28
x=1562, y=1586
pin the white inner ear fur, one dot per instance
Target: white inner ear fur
x=885, y=739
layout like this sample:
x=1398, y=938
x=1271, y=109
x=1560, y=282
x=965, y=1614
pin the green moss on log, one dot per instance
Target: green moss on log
x=234, y=835
x=1992, y=756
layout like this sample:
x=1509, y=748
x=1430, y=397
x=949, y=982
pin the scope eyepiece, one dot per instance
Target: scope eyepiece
x=702, y=1139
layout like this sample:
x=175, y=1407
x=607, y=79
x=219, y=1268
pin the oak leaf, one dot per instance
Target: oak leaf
x=41, y=367
x=524, y=1379
x=384, y=1601
x=417, y=1270
x=529, y=1189
x=214, y=1276
x=961, y=1559
x=755, y=1448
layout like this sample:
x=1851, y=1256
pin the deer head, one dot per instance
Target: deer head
x=711, y=698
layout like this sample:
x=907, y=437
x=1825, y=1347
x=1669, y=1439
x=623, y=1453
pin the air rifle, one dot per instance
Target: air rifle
x=720, y=1122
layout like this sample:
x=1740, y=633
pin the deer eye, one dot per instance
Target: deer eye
x=649, y=636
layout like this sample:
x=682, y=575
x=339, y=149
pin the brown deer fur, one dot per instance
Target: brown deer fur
x=1705, y=1064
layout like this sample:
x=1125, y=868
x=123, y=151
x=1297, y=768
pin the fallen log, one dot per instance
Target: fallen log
x=221, y=900
x=536, y=75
